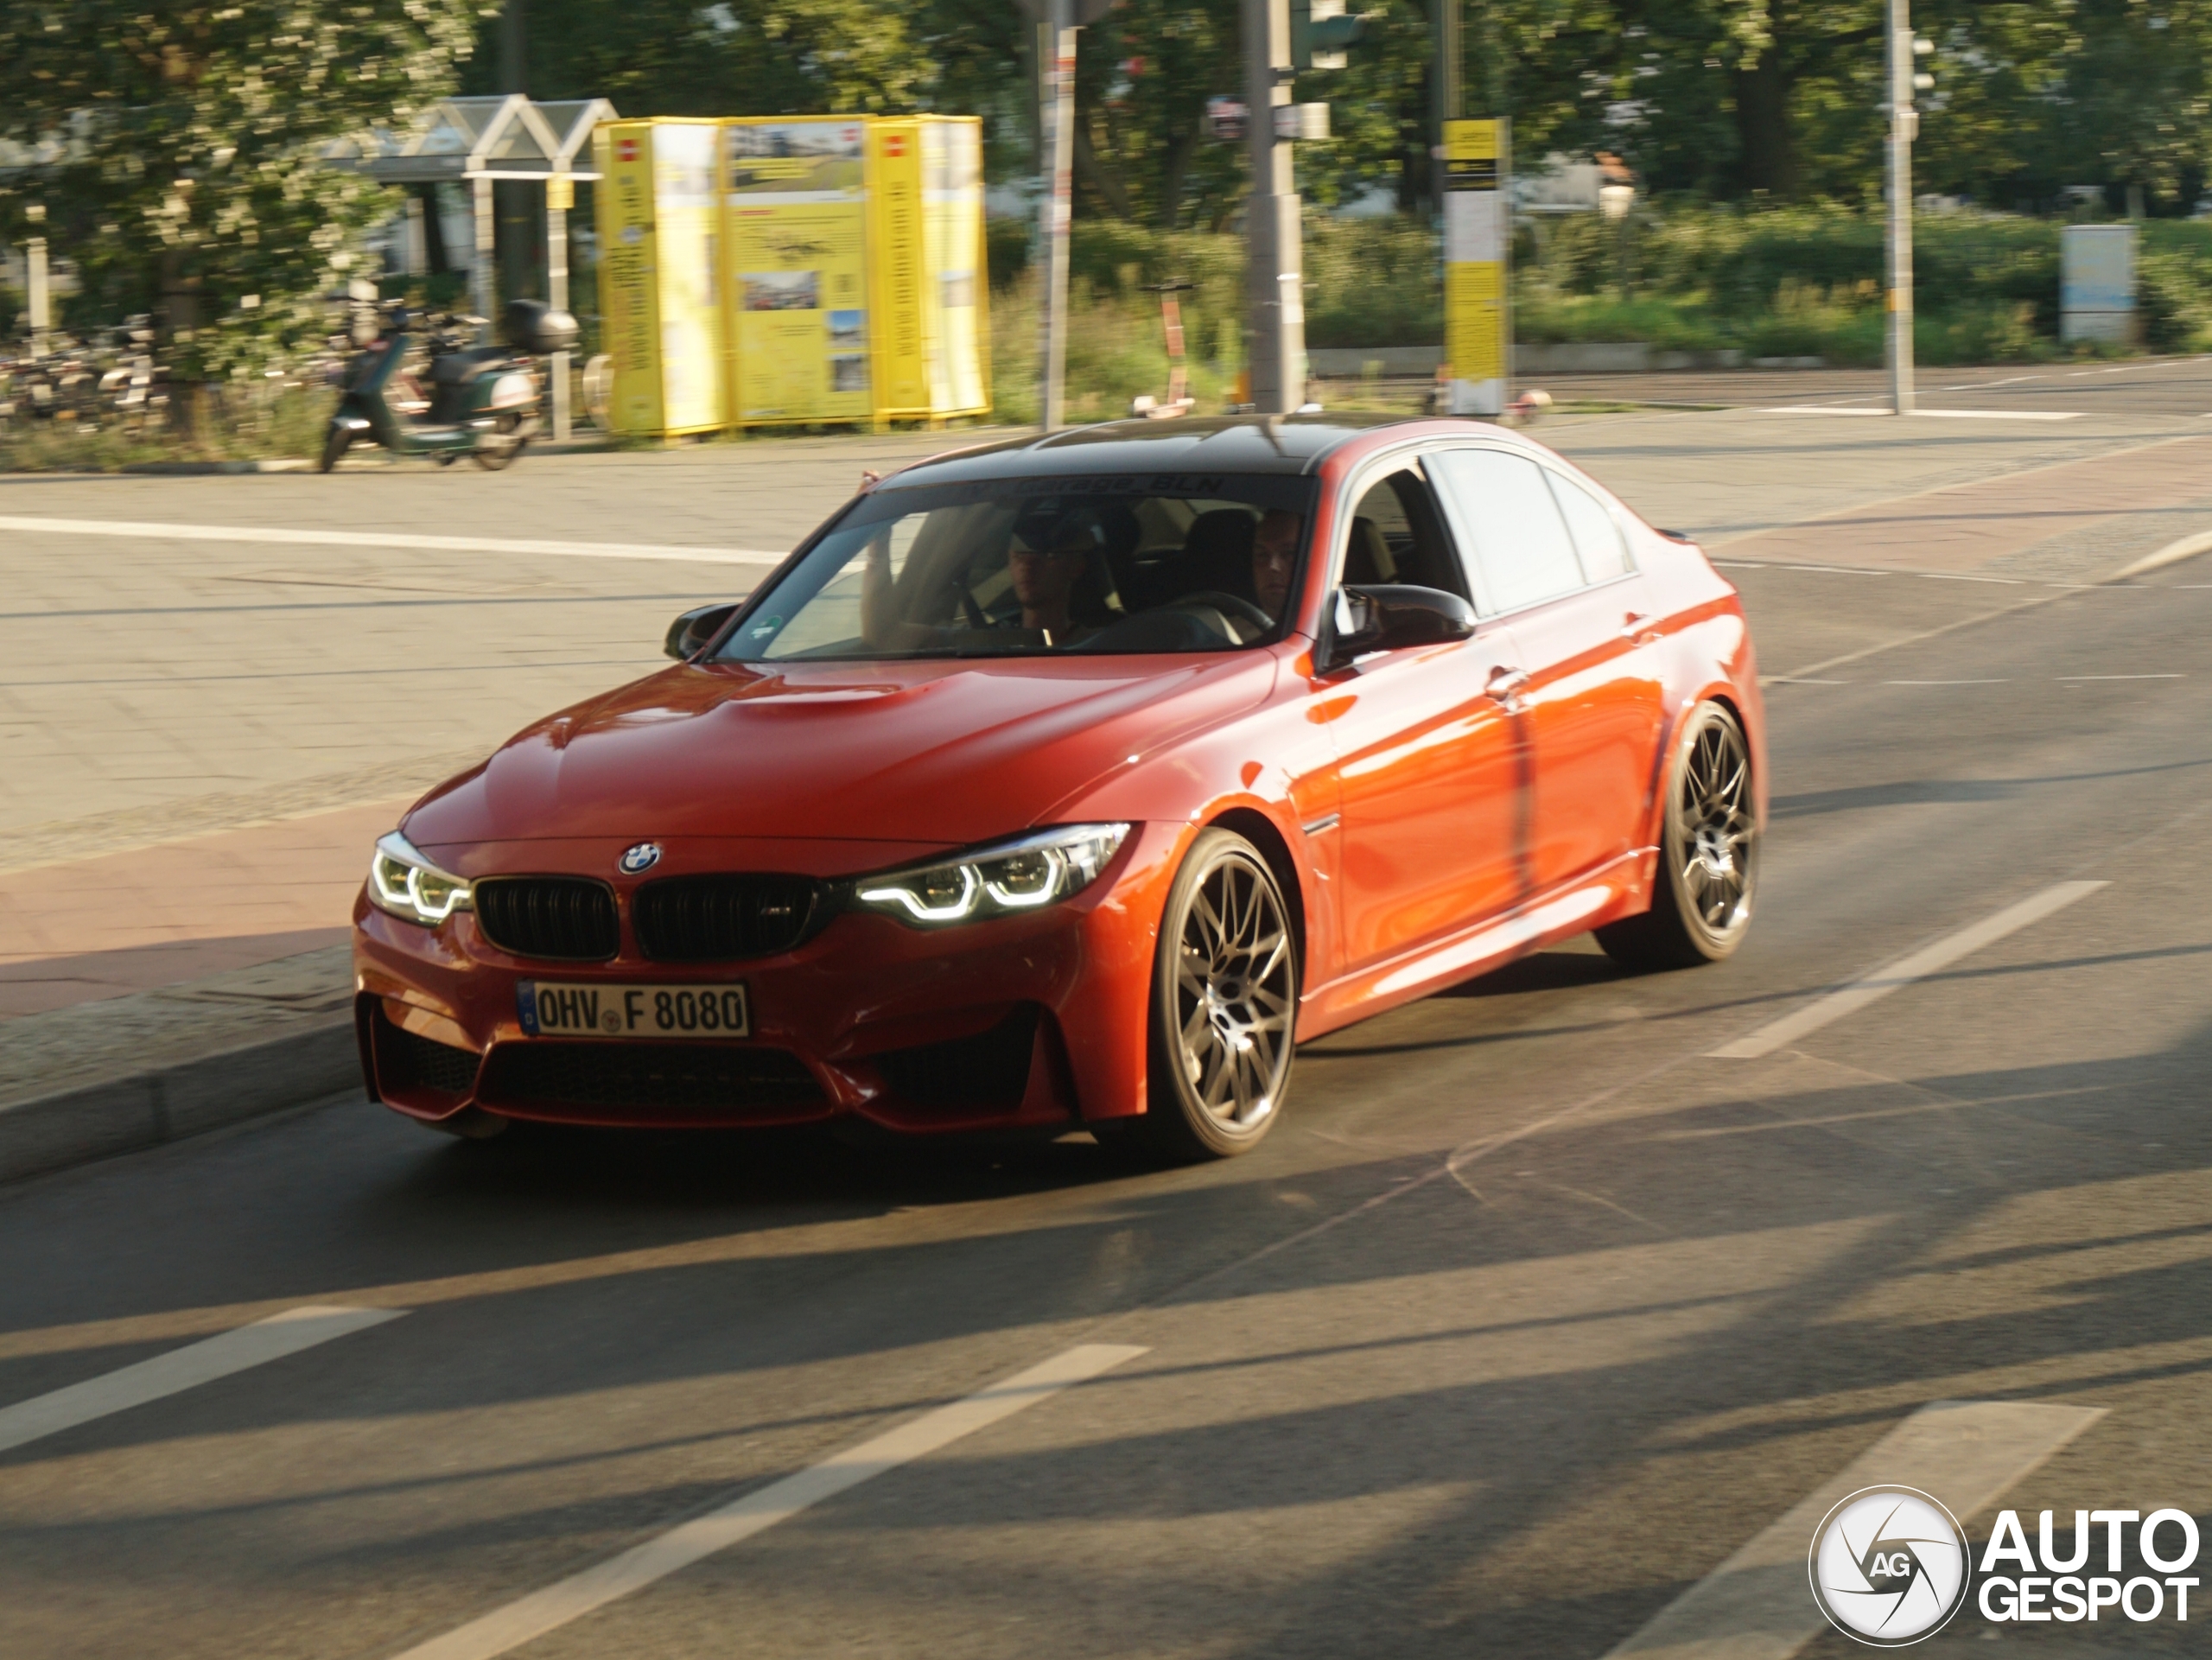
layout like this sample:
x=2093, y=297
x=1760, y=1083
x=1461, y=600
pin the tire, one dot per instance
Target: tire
x=335, y=444
x=505, y=448
x=1708, y=872
x=1224, y=1009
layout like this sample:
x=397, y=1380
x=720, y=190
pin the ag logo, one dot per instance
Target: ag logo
x=639, y=859
x=1889, y=1566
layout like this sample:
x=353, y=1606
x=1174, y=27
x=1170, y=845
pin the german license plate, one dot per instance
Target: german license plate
x=551, y=1009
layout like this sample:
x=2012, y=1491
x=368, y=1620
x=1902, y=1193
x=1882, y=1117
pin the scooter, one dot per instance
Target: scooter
x=485, y=401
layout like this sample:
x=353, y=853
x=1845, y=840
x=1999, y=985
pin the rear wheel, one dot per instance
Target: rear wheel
x=1224, y=1005
x=1708, y=853
x=499, y=447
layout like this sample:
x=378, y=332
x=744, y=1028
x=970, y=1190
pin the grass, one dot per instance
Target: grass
x=250, y=424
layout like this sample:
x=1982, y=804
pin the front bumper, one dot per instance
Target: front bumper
x=1018, y=1022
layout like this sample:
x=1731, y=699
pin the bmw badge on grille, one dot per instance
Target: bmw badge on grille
x=639, y=859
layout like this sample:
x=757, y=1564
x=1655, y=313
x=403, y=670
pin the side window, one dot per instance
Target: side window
x=1597, y=538
x=1398, y=536
x=1521, y=542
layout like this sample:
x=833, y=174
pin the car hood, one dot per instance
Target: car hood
x=947, y=752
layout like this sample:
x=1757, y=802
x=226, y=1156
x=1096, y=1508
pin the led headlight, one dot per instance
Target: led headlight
x=403, y=883
x=995, y=881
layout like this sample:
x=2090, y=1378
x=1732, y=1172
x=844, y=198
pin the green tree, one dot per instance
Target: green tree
x=181, y=149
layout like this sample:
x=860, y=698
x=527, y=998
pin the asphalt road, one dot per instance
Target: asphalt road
x=1528, y=1316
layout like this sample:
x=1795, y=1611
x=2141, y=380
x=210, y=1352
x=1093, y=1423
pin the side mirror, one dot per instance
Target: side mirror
x=1386, y=617
x=689, y=632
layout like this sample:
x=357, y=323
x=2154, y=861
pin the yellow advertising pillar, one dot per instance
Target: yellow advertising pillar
x=1478, y=245
x=660, y=286
x=897, y=249
x=956, y=293
x=795, y=205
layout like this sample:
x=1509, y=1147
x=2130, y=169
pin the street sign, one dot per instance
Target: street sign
x=1226, y=119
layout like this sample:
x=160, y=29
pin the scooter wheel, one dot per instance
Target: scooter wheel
x=334, y=445
x=500, y=447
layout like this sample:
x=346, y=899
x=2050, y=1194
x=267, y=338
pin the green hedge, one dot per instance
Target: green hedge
x=1784, y=281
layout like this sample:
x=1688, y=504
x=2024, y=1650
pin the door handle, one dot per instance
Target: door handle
x=1504, y=684
x=1637, y=627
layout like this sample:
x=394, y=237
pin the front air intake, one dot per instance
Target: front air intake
x=558, y=919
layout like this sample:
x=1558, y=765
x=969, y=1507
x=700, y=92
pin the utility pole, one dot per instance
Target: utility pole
x=1904, y=125
x=1444, y=27
x=1058, y=209
x=1275, y=273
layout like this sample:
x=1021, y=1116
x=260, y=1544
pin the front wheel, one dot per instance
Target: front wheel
x=334, y=443
x=1224, y=1005
x=1708, y=853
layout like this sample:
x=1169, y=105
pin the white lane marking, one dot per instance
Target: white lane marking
x=2000, y=415
x=2064, y=679
x=568, y=1599
x=1947, y=682
x=182, y=1369
x=1758, y=1605
x=1918, y=965
x=1938, y=415
x=1954, y=576
x=290, y=538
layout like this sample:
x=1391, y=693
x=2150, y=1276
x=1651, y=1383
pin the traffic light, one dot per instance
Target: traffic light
x=1319, y=32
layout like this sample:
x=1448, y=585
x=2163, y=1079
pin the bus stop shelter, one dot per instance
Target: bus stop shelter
x=480, y=141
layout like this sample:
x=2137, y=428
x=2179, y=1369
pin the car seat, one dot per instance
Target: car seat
x=1216, y=555
x=1367, y=562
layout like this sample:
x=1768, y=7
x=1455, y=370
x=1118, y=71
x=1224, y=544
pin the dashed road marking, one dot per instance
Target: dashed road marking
x=1918, y=965
x=178, y=1370
x=1758, y=1604
x=569, y=1600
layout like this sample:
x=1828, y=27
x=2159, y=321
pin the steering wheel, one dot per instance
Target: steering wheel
x=1229, y=605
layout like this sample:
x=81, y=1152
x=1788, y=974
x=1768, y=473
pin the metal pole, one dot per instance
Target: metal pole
x=1904, y=122
x=1057, y=210
x=41, y=311
x=1275, y=264
x=479, y=274
x=1444, y=27
x=560, y=193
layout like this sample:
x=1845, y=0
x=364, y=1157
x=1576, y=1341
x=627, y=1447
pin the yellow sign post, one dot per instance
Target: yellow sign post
x=1477, y=268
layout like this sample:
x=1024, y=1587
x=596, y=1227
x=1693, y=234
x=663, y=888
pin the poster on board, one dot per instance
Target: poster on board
x=952, y=217
x=690, y=299
x=796, y=262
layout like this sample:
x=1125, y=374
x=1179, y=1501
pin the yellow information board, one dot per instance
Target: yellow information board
x=796, y=209
x=660, y=290
x=955, y=328
x=1477, y=247
x=793, y=268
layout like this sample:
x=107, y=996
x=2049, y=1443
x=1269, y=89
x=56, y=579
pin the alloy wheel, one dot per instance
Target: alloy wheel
x=1236, y=990
x=1716, y=829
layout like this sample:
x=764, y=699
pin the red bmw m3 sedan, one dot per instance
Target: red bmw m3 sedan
x=1069, y=782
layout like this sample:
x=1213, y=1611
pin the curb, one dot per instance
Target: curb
x=52, y=1132
x=201, y=468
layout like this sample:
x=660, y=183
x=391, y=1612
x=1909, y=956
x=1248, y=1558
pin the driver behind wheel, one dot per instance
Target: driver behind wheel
x=1274, y=557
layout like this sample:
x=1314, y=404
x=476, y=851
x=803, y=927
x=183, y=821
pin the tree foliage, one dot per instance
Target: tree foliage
x=180, y=148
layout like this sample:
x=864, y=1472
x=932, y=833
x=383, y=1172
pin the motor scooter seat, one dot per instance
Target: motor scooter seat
x=459, y=368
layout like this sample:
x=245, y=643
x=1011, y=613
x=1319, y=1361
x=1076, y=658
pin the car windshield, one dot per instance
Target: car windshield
x=1024, y=567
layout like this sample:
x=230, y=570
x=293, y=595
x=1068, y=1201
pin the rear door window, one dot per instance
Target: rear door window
x=1521, y=543
x=1597, y=537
